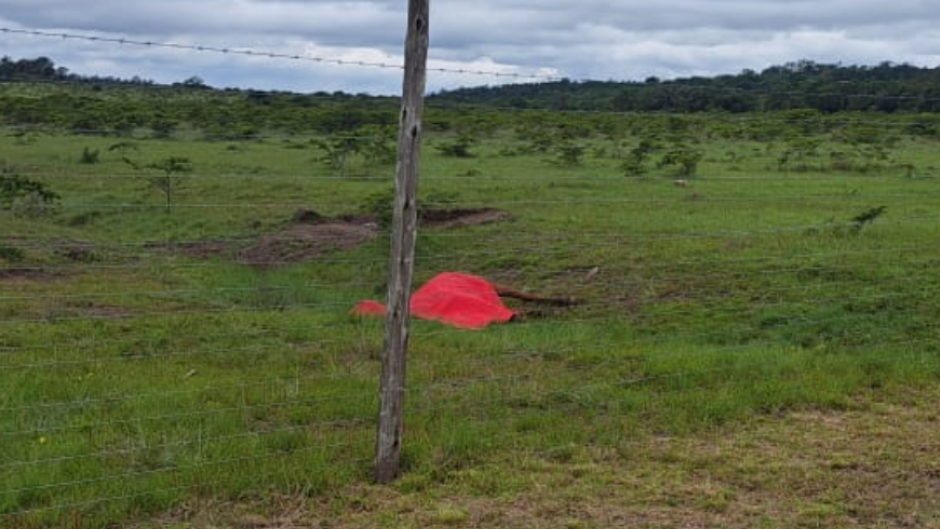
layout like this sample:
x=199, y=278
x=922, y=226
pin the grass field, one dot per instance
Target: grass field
x=176, y=349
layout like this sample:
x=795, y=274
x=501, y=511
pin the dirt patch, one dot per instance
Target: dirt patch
x=461, y=218
x=306, y=242
x=307, y=237
x=312, y=236
x=91, y=310
x=198, y=249
x=26, y=274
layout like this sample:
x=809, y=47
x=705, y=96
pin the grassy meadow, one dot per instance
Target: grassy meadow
x=175, y=353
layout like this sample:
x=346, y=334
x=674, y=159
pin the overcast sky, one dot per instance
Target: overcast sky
x=576, y=39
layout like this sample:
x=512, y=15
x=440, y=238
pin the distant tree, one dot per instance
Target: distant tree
x=194, y=82
x=41, y=68
x=798, y=153
x=683, y=157
x=570, y=155
x=171, y=181
x=635, y=163
x=338, y=150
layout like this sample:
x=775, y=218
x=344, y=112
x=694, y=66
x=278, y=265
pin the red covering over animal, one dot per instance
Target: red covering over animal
x=462, y=300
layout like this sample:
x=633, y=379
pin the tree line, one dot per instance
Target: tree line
x=828, y=88
x=37, y=92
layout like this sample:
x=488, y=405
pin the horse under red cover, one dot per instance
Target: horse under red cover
x=462, y=300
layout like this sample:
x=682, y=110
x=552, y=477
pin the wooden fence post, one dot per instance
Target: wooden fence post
x=404, y=231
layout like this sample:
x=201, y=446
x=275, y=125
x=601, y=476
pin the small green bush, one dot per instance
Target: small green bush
x=90, y=157
x=457, y=148
x=26, y=197
x=12, y=254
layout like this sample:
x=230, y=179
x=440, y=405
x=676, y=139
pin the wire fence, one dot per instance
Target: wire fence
x=155, y=346
x=494, y=73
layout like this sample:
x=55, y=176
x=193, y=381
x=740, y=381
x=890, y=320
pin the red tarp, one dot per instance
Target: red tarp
x=462, y=300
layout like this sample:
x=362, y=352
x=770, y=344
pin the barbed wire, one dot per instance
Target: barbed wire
x=678, y=85
x=124, y=41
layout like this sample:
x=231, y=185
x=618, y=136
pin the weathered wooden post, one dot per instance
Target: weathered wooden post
x=404, y=231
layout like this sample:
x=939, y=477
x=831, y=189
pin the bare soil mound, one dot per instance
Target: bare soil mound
x=312, y=236
x=459, y=218
x=308, y=236
x=306, y=242
x=26, y=274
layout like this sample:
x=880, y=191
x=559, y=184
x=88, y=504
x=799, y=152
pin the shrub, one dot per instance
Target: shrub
x=26, y=197
x=380, y=205
x=89, y=157
x=457, y=148
x=686, y=159
x=570, y=155
x=635, y=163
x=11, y=254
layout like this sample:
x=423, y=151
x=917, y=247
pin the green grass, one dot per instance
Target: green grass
x=139, y=378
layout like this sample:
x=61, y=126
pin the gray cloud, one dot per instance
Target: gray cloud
x=588, y=39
